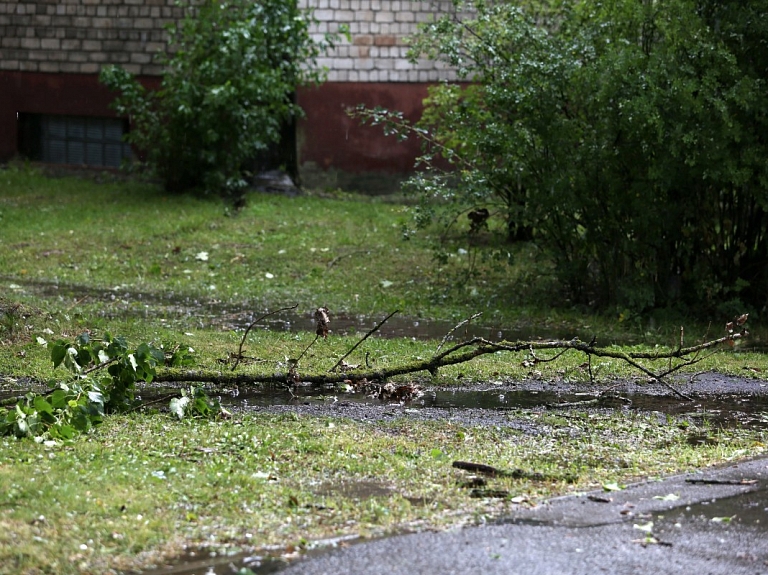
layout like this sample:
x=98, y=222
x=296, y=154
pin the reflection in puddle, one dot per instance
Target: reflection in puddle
x=206, y=563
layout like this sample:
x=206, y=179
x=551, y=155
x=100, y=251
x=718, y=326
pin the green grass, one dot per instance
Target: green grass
x=279, y=481
x=143, y=485
x=346, y=253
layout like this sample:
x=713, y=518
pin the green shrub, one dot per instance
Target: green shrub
x=226, y=92
x=625, y=137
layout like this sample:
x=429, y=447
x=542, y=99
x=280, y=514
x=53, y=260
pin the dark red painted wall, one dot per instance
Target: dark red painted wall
x=38, y=93
x=331, y=139
x=327, y=136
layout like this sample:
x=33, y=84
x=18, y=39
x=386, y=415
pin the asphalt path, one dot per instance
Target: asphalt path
x=713, y=521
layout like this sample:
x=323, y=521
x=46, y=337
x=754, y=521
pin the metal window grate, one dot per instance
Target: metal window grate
x=82, y=140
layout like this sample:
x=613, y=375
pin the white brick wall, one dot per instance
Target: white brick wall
x=378, y=31
x=83, y=35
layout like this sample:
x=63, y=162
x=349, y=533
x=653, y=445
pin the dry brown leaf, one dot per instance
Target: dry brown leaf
x=322, y=320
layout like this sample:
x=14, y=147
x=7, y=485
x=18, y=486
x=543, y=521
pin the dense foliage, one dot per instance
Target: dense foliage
x=628, y=137
x=226, y=92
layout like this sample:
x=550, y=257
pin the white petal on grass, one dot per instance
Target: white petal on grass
x=202, y=256
x=268, y=275
x=386, y=283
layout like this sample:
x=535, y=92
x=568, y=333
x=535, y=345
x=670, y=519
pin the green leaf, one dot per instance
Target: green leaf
x=645, y=527
x=669, y=497
x=59, y=399
x=41, y=404
x=58, y=352
x=66, y=431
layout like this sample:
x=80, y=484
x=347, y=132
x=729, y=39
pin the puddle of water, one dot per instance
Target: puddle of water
x=207, y=563
x=168, y=307
x=746, y=509
x=363, y=490
x=202, y=562
x=717, y=410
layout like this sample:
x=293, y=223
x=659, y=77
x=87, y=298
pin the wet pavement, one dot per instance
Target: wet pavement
x=711, y=522
x=501, y=401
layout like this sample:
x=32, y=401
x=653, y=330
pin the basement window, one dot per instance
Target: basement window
x=73, y=140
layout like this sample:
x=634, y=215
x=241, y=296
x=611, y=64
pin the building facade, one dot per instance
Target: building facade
x=52, y=107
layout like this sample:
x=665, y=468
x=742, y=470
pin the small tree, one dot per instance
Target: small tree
x=227, y=90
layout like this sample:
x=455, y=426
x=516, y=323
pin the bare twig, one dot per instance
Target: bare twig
x=306, y=349
x=366, y=336
x=338, y=258
x=155, y=401
x=248, y=329
x=457, y=326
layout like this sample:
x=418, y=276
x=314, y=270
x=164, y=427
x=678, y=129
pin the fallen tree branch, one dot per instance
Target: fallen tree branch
x=463, y=352
x=722, y=481
x=457, y=326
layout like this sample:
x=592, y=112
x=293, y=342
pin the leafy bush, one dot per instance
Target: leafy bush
x=226, y=92
x=626, y=137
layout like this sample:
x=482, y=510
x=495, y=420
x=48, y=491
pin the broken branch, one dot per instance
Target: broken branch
x=463, y=352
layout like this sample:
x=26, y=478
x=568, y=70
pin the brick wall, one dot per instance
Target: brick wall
x=378, y=31
x=80, y=36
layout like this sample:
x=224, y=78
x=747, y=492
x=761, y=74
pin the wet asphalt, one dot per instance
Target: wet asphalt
x=714, y=521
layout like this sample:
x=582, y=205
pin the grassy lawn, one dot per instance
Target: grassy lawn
x=144, y=485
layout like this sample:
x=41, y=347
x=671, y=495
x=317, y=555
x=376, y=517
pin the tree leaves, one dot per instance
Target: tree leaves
x=196, y=403
x=76, y=405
